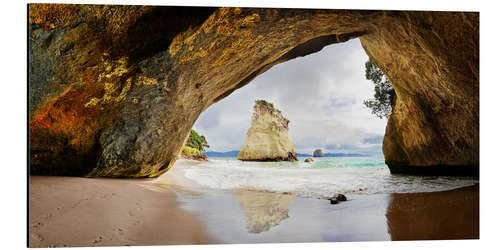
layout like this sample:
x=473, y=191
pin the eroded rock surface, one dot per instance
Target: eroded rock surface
x=267, y=138
x=114, y=90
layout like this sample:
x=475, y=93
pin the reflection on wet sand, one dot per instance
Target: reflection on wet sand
x=186, y=192
x=263, y=210
x=435, y=216
x=249, y=216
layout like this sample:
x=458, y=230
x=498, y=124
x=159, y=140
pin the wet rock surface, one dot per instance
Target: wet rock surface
x=341, y=197
x=114, y=90
x=333, y=201
x=338, y=198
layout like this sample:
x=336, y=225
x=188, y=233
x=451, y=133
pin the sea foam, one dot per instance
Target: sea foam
x=323, y=178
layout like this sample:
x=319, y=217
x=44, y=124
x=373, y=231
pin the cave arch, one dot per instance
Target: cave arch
x=106, y=112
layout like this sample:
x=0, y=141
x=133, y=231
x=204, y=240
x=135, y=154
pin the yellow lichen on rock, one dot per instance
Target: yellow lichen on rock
x=145, y=81
x=111, y=78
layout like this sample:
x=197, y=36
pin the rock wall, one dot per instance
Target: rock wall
x=432, y=59
x=114, y=90
x=267, y=138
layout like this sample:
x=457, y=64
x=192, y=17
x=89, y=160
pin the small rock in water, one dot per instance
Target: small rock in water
x=309, y=160
x=341, y=197
x=318, y=153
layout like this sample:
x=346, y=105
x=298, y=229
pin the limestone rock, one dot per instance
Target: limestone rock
x=114, y=90
x=267, y=139
x=308, y=160
x=432, y=60
x=318, y=153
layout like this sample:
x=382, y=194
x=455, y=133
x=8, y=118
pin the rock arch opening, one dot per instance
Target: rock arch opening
x=139, y=109
x=321, y=95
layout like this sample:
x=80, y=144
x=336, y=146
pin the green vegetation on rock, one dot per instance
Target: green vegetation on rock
x=196, y=141
x=264, y=102
x=383, y=99
x=189, y=151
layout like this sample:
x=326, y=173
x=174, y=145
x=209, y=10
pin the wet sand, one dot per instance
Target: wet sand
x=68, y=211
x=443, y=215
x=244, y=216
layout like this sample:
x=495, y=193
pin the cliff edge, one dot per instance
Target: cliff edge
x=267, y=139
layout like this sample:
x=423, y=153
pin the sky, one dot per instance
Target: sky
x=321, y=94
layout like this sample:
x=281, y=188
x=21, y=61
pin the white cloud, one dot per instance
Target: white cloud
x=321, y=94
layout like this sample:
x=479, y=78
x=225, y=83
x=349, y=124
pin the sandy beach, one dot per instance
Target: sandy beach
x=69, y=211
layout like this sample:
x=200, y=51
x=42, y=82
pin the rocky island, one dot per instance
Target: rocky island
x=267, y=139
x=318, y=153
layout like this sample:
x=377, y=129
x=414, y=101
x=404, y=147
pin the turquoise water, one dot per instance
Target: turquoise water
x=324, y=177
x=338, y=162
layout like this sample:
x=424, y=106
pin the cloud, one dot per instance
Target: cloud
x=321, y=94
x=373, y=140
x=340, y=102
x=341, y=147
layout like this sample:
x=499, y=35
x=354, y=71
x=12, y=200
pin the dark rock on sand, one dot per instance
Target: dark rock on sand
x=337, y=199
x=341, y=197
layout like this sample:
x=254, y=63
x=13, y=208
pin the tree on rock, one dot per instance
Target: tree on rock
x=383, y=99
x=197, y=141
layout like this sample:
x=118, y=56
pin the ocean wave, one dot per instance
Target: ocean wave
x=326, y=177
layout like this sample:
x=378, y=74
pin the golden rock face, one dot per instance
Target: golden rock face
x=432, y=59
x=114, y=90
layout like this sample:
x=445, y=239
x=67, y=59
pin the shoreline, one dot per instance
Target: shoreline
x=82, y=212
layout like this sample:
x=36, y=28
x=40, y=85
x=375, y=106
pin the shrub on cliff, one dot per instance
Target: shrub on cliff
x=383, y=99
x=197, y=141
x=190, y=152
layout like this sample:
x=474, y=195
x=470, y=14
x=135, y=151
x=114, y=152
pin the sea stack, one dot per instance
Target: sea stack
x=267, y=139
x=318, y=153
